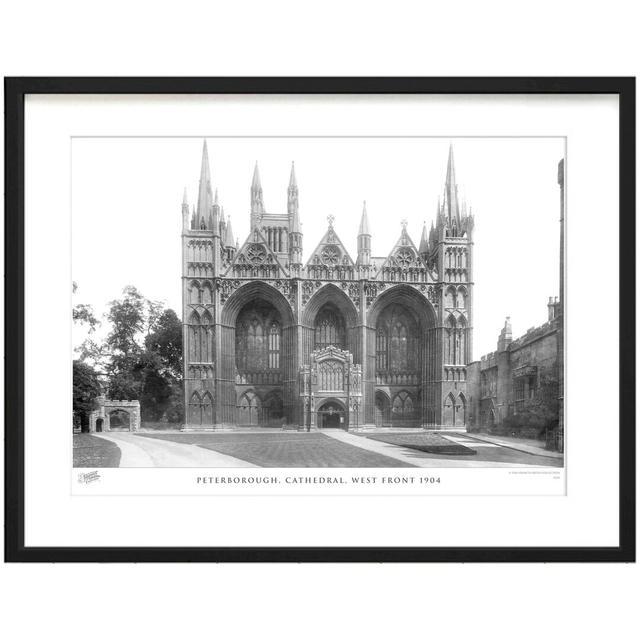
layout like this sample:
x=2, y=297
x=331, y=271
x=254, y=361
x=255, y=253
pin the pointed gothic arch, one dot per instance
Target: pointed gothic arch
x=194, y=411
x=382, y=414
x=207, y=293
x=195, y=293
x=258, y=338
x=460, y=412
x=461, y=298
x=330, y=294
x=329, y=328
x=194, y=337
x=249, y=408
x=451, y=339
x=448, y=411
x=461, y=341
x=450, y=297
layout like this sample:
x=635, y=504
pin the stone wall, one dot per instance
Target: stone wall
x=102, y=418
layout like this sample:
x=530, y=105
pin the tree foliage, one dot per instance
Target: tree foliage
x=86, y=388
x=141, y=355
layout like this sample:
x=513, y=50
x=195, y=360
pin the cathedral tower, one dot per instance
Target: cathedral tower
x=334, y=342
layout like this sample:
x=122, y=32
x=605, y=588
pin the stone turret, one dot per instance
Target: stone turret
x=364, y=239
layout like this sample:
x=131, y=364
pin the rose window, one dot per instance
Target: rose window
x=404, y=258
x=256, y=254
x=330, y=256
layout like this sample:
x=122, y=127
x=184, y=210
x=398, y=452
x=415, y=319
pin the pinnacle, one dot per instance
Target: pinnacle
x=364, y=221
x=255, y=184
x=292, y=177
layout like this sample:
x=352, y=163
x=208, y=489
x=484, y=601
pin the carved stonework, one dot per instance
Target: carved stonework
x=226, y=288
x=354, y=294
x=286, y=288
x=330, y=255
x=370, y=292
x=308, y=289
x=256, y=254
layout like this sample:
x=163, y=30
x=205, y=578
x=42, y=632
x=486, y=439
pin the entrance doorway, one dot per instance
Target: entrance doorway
x=99, y=423
x=332, y=415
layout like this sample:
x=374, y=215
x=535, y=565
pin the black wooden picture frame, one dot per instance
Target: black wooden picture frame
x=15, y=91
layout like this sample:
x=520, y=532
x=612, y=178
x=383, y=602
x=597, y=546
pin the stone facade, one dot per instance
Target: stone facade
x=501, y=383
x=115, y=415
x=270, y=340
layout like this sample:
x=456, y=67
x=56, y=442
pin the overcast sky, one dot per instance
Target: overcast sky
x=127, y=194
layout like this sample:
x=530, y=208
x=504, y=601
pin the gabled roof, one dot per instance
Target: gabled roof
x=403, y=250
x=330, y=251
x=247, y=254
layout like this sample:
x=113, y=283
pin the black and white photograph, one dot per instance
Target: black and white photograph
x=312, y=323
x=314, y=302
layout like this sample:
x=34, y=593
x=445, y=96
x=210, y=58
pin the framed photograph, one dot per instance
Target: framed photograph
x=320, y=319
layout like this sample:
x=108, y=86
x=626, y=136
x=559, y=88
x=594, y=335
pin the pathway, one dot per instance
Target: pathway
x=151, y=452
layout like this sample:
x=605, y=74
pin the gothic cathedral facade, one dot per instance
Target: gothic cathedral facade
x=270, y=340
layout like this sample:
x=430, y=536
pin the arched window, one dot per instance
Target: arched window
x=329, y=329
x=194, y=337
x=248, y=409
x=207, y=409
x=450, y=341
x=461, y=298
x=256, y=345
x=381, y=349
x=205, y=338
x=258, y=338
x=461, y=346
x=399, y=351
x=195, y=414
x=207, y=297
x=274, y=346
x=194, y=293
x=402, y=408
x=395, y=337
x=450, y=298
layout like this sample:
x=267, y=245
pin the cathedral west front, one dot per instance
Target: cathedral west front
x=333, y=341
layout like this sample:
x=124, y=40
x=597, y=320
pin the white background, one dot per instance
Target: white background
x=487, y=38
x=587, y=516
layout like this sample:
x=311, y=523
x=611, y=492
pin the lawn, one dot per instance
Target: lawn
x=90, y=451
x=284, y=449
x=427, y=442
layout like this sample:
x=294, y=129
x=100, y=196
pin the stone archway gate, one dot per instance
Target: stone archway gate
x=107, y=407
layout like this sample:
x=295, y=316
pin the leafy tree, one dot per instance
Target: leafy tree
x=162, y=389
x=86, y=388
x=166, y=342
x=127, y=318
x=83, y=314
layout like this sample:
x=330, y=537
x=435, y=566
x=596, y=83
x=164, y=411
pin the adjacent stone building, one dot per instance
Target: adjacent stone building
x=506, y=381
x=115, y=415
x=270, y=340
x=525, y=377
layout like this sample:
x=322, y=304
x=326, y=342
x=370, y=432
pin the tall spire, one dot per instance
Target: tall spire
x=292, y=201
x=185, y=210
x=228, y=238
x=364, y=239
x=292, y=178
x=424, y=241
x=364, y=221
x=257, y=203
x=452, y=209
x=205, y=195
